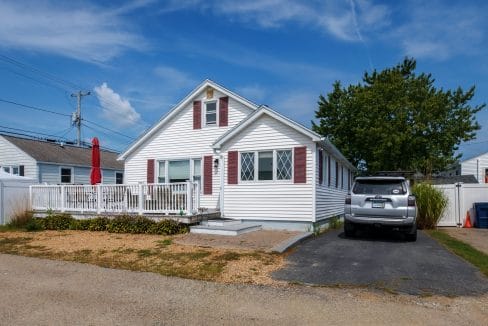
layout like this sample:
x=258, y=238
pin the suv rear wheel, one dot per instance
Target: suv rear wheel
x=412, y=234
x=349, y=230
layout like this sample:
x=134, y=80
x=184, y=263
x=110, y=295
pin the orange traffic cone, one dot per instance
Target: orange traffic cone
x=467, y=221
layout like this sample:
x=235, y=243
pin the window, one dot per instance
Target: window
x=197, y=171
x=283, y=165
x=210, y=113
x=178, y=171
x=119, y=178
x=66, y=175
x=162, y=172
x=15, y=170
x=265, y=166
x=6, y=169
x=247, y=166
x=270, y=165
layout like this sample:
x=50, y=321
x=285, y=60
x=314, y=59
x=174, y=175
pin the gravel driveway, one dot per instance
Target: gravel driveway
x=383, y=261
x=44, y=292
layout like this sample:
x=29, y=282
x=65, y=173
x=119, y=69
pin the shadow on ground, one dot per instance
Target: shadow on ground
x=383, y=261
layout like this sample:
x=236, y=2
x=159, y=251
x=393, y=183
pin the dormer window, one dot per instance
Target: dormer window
x=211, y=113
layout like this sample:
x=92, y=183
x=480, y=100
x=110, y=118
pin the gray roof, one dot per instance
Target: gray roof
x=453, y=179
x=51, y=152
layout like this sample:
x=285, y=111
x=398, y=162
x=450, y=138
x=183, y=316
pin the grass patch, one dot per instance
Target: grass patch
x=463, y=250
x=164, y=243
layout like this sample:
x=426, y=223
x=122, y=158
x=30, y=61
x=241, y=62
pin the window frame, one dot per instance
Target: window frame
x=275, y=166
x=11, y=169
x=166, y=169
x=72, y=175
x=204, y=112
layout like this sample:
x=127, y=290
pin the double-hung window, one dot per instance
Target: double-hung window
x=211, y=113
x=66, y=175
x=171, y=171
x=266, y=165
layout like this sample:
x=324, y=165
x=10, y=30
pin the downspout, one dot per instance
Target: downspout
x=221, y=194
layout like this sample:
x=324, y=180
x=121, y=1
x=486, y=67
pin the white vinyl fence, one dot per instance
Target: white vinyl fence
x=161, y=198
x=461, y=198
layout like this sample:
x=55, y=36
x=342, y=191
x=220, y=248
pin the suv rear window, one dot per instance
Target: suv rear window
x=379, y=187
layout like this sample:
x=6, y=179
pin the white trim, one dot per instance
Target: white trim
x=72, y=175
x=200, y=88
x=256, y=115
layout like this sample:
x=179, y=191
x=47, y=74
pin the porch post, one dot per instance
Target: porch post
x=141, y=200
x=63, y=198
x=188, y=197
x=99, y=198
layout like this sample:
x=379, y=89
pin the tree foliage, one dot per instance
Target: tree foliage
x=397, y=120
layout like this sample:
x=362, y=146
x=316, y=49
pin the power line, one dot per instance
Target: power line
x=44, y=74
x=111, y=130
x=34, y=108
x=31, y=132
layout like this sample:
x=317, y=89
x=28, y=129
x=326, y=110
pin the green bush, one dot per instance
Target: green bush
x=35, y=224
x=60, y=221
x=431, y=204
x=130, y=224
x=168, y=227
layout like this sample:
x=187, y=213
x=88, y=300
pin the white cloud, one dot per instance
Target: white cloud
x=115, y=108
x=440, y=31
x=334, y=17
x=85, y=33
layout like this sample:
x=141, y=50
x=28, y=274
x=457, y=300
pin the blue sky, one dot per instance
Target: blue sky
x=139, y=58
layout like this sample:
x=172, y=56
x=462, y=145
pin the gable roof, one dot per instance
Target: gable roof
x=178, y=107
x=265, y=110
x=472, y=157
x=50, y=152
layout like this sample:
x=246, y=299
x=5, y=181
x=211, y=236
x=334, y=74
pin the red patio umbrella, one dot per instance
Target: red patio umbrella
x=95, y=175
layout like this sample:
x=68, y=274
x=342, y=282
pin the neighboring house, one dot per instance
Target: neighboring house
x=476, y=166
x=55, y=163
x=253, y=163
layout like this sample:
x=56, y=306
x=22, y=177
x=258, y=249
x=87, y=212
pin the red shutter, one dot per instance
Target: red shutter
x=300, y=164
x=197, y=114
x=232, y=161
x=150, y=171
x=321, y=164
x=223, y=111
x=207, y=175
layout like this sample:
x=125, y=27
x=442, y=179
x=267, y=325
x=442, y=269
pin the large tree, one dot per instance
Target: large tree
x=398, y=120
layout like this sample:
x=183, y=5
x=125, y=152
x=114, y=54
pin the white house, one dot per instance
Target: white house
x=55, y=163
x=253, y=163
x=476, y=166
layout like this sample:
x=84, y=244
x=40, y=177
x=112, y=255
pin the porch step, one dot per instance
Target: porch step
x=221, y=222
x=228, y=229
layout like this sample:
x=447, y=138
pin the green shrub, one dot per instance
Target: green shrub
x=60, y=221
x=168, y=227
x=35, y=224
x=431, y=203
x=130, y=224
x=98, y=224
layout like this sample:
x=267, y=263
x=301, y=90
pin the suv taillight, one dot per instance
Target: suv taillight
x=411, y=201
x=348, y=200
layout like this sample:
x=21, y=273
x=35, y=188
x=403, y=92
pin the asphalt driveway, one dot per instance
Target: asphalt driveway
x=383, y=261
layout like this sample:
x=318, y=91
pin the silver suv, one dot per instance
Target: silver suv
x=381, y=202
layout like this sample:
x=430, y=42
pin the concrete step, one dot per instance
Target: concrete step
x=221, y=222
x=230, y=230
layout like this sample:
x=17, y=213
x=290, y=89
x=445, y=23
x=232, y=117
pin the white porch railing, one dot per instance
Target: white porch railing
x=161, y=198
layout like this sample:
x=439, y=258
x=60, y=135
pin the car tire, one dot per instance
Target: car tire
x=411, y=236
x=349, y=231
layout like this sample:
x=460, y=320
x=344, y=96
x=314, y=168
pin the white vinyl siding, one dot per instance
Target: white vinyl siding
x=329, y=201
x=11, y=155
x=280, y=200
x=177, y=139
x=476, y=166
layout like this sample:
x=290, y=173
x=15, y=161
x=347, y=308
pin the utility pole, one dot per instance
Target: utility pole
x=77, y=116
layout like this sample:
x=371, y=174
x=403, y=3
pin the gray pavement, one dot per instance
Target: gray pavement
x=44, y=292
x=384, y=261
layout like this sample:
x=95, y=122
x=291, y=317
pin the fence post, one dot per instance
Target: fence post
x=188, y=197
x=141, y=200
x=63, y=198
x=99, y=198
x=31, y=201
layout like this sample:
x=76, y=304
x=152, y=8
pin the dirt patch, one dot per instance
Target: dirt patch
x=478, y=238
x=166, y=255
x=263, y=240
